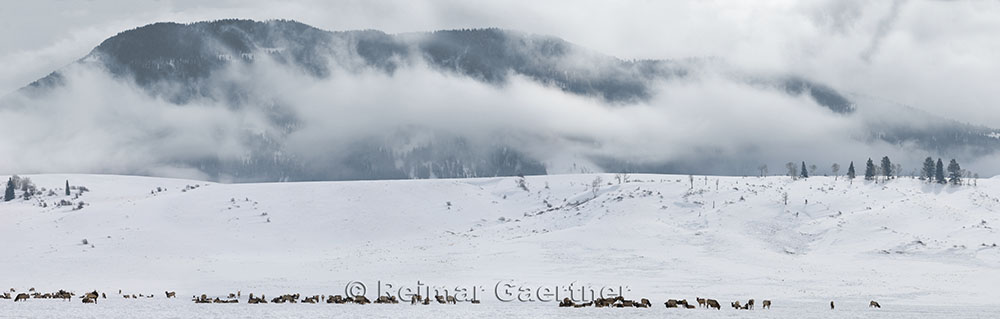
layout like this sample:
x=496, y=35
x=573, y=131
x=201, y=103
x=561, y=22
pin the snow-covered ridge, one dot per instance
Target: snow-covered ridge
x=902, y=242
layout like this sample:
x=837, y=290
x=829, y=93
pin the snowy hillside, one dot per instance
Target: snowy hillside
x=729, y=238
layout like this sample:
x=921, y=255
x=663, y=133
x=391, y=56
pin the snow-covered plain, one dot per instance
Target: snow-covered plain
x=920, y=250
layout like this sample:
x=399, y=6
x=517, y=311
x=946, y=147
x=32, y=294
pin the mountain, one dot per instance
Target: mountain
x=186, y=64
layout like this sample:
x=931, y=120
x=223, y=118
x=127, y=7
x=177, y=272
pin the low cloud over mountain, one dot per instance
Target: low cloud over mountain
x=241, y=100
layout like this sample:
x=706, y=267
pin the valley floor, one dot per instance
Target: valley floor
x=921, y=250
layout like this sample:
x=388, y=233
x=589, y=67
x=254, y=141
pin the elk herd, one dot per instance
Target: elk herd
x=617, y=302
x=621, y=302
x=331, y=299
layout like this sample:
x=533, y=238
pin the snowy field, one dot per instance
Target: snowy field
x=161, y=308
x=922, y=251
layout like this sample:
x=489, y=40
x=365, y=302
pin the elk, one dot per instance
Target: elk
x=712, y=303
x=766, y=304
x=92, y=295
x=386, y=299
x=645, y=302
x=566, y=303
x=874, y=304
x=170, y=294
x=701, y=302
x=337, y=299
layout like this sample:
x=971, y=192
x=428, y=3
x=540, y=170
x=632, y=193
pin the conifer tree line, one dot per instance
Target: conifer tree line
x=931, y=171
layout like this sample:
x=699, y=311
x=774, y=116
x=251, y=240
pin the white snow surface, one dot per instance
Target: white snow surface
x=921, y=250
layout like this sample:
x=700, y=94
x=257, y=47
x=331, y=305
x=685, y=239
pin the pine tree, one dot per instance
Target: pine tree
x=928, y=171
x=939, y=172
x=8, y=195
x=67, y=187
x=869, y=170
x=803, y=173
x=851, y=174
x=954, y=172
x=886, y=167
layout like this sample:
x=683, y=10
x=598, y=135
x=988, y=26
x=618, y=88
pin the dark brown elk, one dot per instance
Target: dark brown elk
x=831, y=305
x=671, y=303
x=750, y=304
x=712, y=303
x=451, y=299
x=286, y=298
x=92, y=295
x=645, y=303
x=874, y=304
x=361, y=300
x=440, y=299
x=386, y=299
x=170, y=294
x=62, y=294
x=608, y=302
x=566, y=303
x=701, y=302
x=337, y=299
x=21, y=296
x=766, y=304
